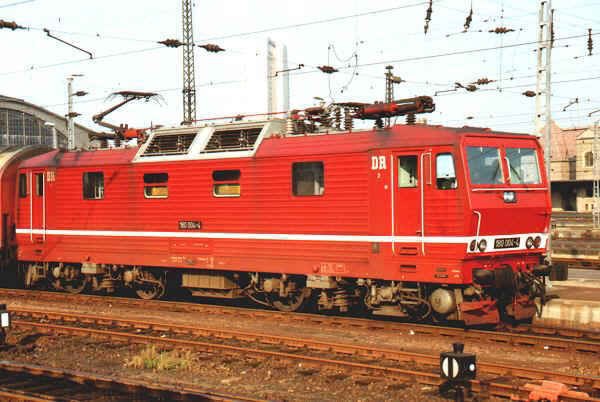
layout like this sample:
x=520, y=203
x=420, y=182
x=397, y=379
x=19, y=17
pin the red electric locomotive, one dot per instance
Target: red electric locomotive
x=416, y=221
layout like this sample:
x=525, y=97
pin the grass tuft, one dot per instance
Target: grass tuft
x=152, y=359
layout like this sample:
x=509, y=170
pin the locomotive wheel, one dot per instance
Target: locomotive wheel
x=76, y=286
x=293, y=302
x=73, y=280
x=150, y=285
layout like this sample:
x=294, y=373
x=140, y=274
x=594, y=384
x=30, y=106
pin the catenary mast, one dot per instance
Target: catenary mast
x=189, y=77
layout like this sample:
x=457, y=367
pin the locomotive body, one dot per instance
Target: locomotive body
x=413, y=221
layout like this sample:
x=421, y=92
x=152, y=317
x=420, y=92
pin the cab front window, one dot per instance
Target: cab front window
x=523, y=166
x=484, y=165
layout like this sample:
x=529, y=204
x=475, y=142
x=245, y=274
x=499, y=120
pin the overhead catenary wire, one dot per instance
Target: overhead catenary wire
x=356, y=66
x=373, y=12
x=16, y=3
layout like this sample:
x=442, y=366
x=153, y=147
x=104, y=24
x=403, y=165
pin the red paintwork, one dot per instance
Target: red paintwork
x=10, y=157
x=356, y=201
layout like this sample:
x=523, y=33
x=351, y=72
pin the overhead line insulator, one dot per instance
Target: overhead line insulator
x=10, y=25
x=328, y=69
x=501, y=30
x=428, y=16
x=483, y=81
x=174, y=43
x=211, y=47
x=469, y=19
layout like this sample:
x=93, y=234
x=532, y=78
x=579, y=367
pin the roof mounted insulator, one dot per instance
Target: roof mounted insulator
x=590, y=42
x=529, y=94
x=212, y=48
x=328, y=69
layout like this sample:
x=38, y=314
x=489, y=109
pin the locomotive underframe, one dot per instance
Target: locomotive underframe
x=494, y=294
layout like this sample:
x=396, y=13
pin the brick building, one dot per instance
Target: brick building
x=571, y=168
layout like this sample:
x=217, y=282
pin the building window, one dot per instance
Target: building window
x=39, y=184
x=93, y=185
x=231, y=186
x=155, y=185
x=308, y=178
x=445, y=174
x=589, y=159
x=407, y=171
x=22, y=185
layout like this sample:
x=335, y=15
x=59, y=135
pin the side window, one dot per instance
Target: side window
x=589, y=159
x=445, y=174
x=155, y=185
x=39, y=184
x=22, y=185
x=227, y=183
x=407, y=171
x=93, y=185
x=308, y=178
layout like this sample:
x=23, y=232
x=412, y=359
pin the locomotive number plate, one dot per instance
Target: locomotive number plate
x=509, y=242
x=190, y=225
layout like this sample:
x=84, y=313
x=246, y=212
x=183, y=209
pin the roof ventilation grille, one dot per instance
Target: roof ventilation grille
x=169, y=144
x=233, y=140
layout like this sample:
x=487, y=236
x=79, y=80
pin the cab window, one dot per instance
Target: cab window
x=484, y=165
x=407, y=171
x=445, y=174
x=523, y=166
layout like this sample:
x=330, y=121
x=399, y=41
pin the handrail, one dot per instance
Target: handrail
x=478, y=225
x=422, y=184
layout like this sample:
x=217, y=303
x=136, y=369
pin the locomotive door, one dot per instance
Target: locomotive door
x=37, y=184
x=406, y=204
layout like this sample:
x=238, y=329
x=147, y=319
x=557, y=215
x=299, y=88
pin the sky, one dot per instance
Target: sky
x=358, y=37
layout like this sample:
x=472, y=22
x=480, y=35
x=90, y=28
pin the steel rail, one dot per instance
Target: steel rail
x=487, y=387
x=524, y=335
x=579, y=262
x=101, y=383
x=168, y=330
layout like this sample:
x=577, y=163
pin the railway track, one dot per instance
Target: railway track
x=499, y=379
x=578, y=263
x=26, y=382
x=572, y=340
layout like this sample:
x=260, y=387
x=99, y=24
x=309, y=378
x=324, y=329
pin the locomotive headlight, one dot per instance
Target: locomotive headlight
x=482, y=245
x=510, y=197
x=537, y=242
x=529, y=242
x=472, y=245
